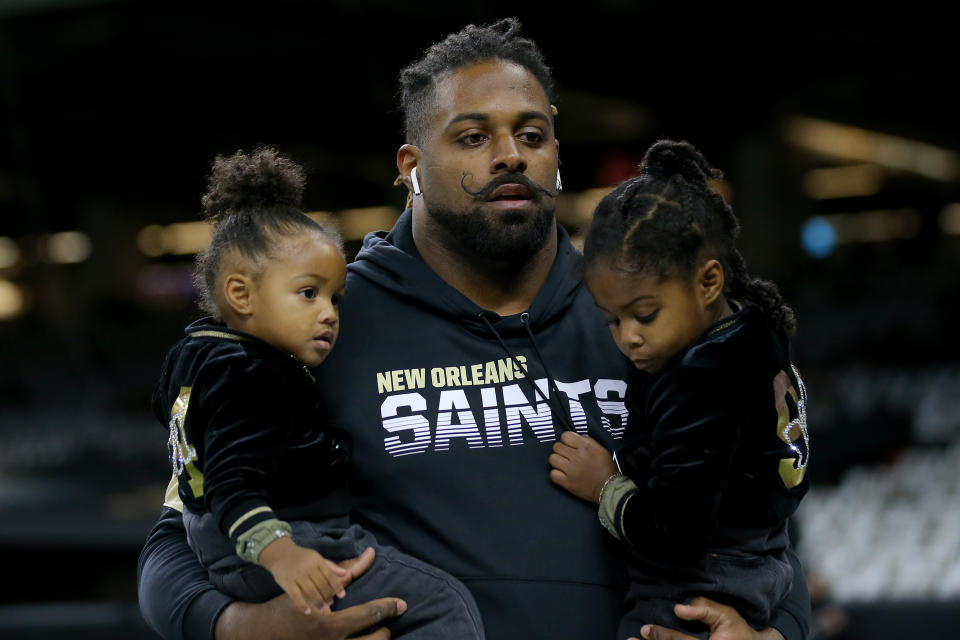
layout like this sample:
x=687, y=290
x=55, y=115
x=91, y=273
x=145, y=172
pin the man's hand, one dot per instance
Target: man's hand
x=724, y=622
x=280, y=620
x=581, y=465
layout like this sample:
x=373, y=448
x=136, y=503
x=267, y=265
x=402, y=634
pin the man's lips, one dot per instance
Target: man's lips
x=511, y=191
x=511, y=196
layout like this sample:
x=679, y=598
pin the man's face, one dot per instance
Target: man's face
x=488, y=163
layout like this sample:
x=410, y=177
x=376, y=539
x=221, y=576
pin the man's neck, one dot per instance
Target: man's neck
x=504, y=287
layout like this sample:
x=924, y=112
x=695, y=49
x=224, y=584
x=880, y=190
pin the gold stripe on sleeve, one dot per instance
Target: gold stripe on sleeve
x=245, y=517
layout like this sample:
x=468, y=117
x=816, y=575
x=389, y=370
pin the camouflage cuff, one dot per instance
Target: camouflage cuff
x=252, y=542
x=614, y=490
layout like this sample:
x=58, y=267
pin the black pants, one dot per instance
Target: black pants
x=754, y=585
x=439, y=607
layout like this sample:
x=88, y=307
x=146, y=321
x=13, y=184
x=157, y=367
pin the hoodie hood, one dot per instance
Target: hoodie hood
x=391, y=261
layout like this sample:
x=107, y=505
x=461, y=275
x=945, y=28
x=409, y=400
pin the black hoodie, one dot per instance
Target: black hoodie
x=451, y=445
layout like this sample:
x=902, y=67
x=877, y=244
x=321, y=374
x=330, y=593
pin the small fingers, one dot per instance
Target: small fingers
x=317, y=592
x=335, y=577
x=563, y=450
x=337, y=570
x=299, y=602
x=573, y=439
x=559, y=477
x=557, y=461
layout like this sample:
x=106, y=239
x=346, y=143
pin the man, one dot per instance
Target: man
x=468, y=344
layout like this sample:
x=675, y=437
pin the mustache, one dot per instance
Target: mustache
x=507, y=178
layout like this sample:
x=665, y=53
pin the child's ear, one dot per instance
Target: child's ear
x=711, y=281
x=238, y=293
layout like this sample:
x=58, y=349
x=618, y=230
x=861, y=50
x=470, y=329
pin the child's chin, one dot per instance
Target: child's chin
x=317, y=359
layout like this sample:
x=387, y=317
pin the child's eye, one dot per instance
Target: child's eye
x=336, y=298
x=308, y=292
x=647, y=319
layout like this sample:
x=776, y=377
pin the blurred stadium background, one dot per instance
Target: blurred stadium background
x=836, y=127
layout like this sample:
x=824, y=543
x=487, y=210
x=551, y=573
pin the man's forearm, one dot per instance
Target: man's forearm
x=176, y=597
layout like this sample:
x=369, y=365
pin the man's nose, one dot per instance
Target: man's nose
x=508, y=156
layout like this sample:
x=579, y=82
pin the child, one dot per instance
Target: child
x=259, y=472
x=716, y=446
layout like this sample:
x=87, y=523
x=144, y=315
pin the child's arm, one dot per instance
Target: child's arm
x=676, y=497
x=684, y=468
x=241, y=404
x=244, y=412
x=306, y=576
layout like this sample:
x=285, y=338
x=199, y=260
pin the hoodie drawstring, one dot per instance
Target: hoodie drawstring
x=524, y=320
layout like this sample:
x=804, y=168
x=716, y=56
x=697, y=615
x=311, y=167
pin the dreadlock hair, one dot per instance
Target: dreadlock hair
x=253, y=202
x=668, y=220
x=500, y=40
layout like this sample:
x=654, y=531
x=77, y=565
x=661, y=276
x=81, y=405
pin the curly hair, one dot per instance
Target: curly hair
x=499, y=40
x=253, y=201
x=666, y=220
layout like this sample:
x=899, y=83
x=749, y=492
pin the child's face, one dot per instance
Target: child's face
x=651, y=319
x=295, y=302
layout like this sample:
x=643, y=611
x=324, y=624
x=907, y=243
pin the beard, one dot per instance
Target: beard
x=510, y=236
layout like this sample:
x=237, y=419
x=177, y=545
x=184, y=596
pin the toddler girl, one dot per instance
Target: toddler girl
x=714, y=457
x=262, y=478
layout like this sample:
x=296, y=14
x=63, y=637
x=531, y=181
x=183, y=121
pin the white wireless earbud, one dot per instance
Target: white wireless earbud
x=416, y=185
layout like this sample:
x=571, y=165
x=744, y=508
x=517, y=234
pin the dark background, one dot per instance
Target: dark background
x=111, y=111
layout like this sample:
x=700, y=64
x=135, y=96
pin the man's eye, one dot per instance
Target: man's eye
x=612, y=322
x=308, y=292
x=471, y=139
x=531, y=137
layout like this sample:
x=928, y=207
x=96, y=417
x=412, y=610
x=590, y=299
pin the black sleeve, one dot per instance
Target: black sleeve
x=694, y=435
x=176, y=598
x=794, y=616
x=242, y=411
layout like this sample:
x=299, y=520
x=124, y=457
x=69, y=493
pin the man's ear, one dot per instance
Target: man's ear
x=408, y=157
x=238, y=293
x=710, y=281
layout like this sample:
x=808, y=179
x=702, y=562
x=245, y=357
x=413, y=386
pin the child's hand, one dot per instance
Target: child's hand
x=581, y=465
x=310, y=579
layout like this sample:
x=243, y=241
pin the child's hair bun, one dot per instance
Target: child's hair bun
x=245, y=182
x=667, y=158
